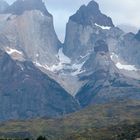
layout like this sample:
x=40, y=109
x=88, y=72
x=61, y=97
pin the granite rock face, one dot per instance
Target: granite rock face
x=28, y=27
x=84, y=29
x=26, y=92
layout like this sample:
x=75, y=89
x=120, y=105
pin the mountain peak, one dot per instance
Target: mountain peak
x=19, y=6
x=93, y=5
x=91, y=14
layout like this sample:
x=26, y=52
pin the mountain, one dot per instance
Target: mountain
x=26, y=92
x=119, y=60
x=104, y=82
x=3, y=6
x=86, y=27
x=87, y=23
x=27, y=27
x=90, y=15
x=98, y=63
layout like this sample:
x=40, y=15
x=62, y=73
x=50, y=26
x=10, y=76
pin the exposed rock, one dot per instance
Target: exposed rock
x=129, y=49
x=91, y=14
x=101, y=46
x=86, y=27
x=138, y=35
x=105, y=82
x=26, y=92
x=92, y=62
x=30, y=32
x=20, y=6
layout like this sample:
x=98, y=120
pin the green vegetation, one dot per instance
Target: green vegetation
x=114, y=121
x=119, y=132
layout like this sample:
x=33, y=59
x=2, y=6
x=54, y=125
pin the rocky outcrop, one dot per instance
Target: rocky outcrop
x=26, y=92
x=105, y=83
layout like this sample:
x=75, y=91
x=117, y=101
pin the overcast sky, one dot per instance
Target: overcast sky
x=121, y=11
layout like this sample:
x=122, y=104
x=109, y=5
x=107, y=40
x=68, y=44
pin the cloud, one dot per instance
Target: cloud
x=121, y=11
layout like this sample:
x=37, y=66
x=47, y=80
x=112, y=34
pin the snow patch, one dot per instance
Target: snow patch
x=62, y=57
x=126, y=67
x=12, y=51
x=121, y=64
x=41, y=14
x=37, y=55
x=77, y=68
x=64, y=64
x=103, y=27
x=114, y=56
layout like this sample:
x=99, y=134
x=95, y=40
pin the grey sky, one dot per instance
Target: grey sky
x=121, y=11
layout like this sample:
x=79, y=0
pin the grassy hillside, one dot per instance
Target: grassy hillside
x=92, y=122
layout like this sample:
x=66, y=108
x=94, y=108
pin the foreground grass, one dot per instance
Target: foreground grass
x=98, y=122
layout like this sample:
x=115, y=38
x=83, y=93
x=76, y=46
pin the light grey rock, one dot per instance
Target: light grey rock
x=32, y=33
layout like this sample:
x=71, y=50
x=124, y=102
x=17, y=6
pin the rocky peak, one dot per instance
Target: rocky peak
x=91, y=14
x=101, y=46
x=3, y=5
x=32, y=31
x=138, y=35
x=19, y=6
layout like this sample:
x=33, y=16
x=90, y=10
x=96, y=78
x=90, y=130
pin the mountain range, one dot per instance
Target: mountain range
x=98, y=63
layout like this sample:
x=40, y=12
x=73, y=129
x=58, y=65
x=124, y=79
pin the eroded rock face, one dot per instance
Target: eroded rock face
x=30, y=31
x=105, y=83
x=84, y=28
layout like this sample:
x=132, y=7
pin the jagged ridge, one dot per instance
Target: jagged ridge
x=91, y=14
